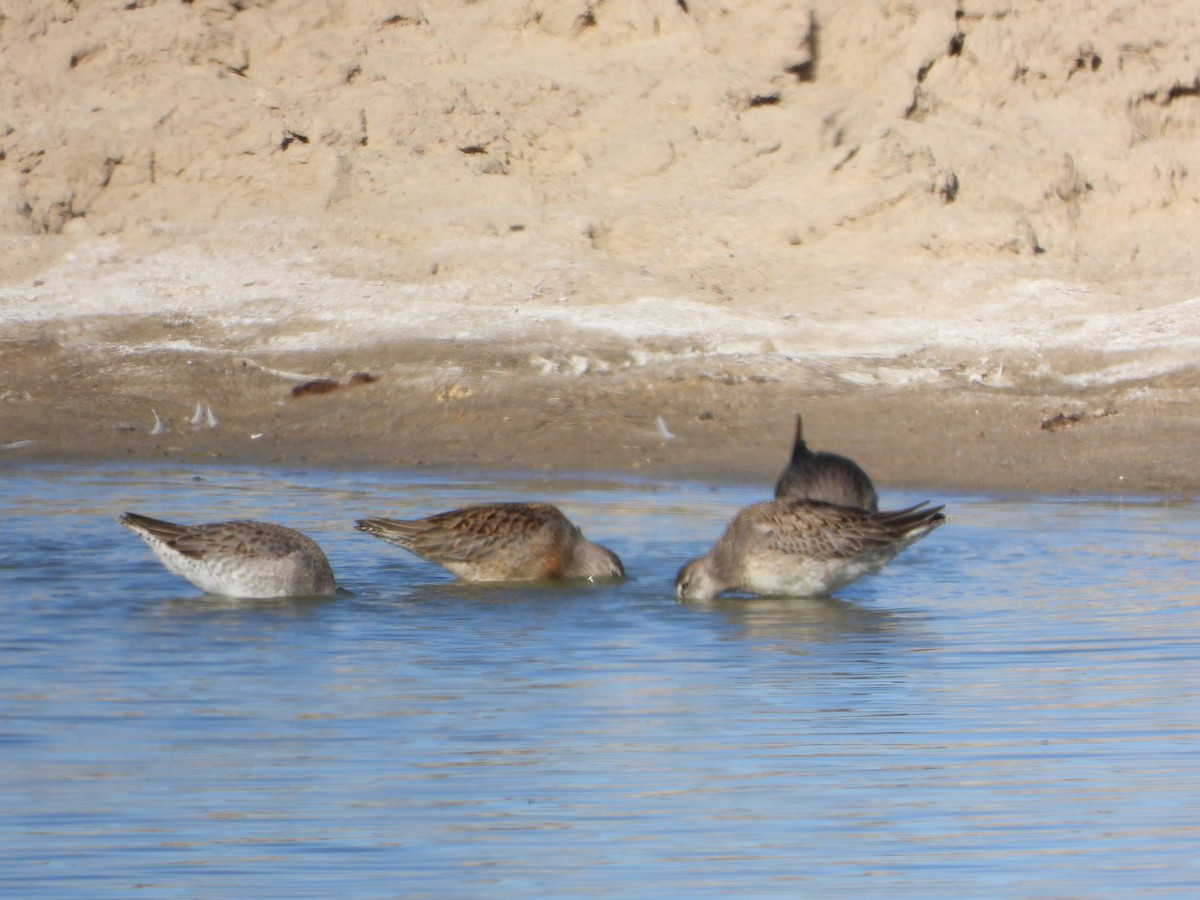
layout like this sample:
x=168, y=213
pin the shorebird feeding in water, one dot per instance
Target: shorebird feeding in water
x=238, y=559
x=802, y=548
x=824, y=476
x=501, y=542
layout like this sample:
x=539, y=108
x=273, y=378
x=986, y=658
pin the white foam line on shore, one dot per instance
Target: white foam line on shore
x=294, y=305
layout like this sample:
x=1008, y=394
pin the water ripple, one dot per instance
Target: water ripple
x=1007, y=710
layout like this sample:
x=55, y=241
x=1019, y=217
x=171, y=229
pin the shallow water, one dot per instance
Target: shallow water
x=1009, y=709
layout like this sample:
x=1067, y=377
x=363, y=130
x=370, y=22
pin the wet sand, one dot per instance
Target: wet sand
x=700, y=419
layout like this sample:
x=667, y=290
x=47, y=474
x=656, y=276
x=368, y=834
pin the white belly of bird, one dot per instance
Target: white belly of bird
x=800, y=577
x=237, y=577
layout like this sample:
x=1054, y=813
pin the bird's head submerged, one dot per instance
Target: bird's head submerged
x=695, y=581
x=593, y=561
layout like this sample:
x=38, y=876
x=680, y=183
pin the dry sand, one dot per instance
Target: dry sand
x=607, y=235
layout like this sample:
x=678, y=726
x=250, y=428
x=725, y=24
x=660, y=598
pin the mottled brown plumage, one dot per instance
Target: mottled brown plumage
x=802, y=548
x=238, y=559
x=500, y=542
x=824, y=476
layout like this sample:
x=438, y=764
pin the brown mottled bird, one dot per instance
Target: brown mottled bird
x=238, y=559
x=824, y=476
x=501, y=542
x=802, y=548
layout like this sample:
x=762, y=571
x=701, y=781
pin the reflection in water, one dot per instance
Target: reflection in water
x=802, y=620
x=204, y=605
x=1010, y=705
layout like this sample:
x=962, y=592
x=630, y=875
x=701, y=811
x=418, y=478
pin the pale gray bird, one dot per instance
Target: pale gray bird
x=802, y=548
x=501, y=542
x=238, y=559
x=824, y=476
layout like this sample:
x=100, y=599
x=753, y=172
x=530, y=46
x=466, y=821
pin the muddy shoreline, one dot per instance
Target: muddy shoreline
x=472, y=407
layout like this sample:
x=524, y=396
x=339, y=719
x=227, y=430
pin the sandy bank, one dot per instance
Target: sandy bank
x=548, y=227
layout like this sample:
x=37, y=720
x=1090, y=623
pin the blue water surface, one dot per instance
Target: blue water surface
x=1010, y=709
